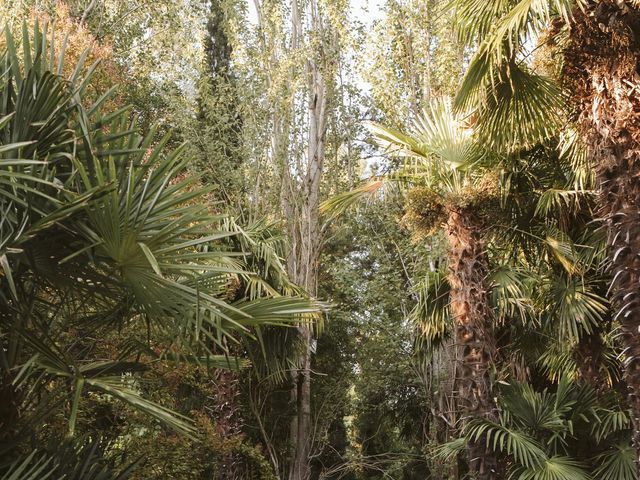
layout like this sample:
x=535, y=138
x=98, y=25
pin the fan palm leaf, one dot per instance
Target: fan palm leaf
x=101, y=228
x=515, y=107
x=617, y=463
x=555, y=468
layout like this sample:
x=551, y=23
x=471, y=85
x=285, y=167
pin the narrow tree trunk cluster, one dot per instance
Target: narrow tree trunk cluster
x=472, y=316
x=602, y=62
x=307, y=243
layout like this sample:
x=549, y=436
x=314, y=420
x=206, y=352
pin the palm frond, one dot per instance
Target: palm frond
x=555, y=468
x=609, y=421
x=524, y=449
x=116, y=386
x=436, y=135
x=32, y=467
x=449, y=451
x=533, y=410
x=338, y=204
x=562, y=248
x=77, y=459
x=282, y=311
x=431, y=315
x=518, y=110
x=618, y=463
x=575, y=306
x=475, y=18
x=572, y=149
x=512, y=292
x=554, y=200
x=515, y=107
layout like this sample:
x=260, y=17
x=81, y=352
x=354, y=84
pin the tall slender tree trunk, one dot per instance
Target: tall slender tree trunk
x=471, y=312
x=602, y=64
x=300, y=192
x=309, y=242
x=301, y=426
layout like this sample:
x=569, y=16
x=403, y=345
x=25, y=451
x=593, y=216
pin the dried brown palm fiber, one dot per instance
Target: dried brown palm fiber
x=473, y=319
x=600, y=73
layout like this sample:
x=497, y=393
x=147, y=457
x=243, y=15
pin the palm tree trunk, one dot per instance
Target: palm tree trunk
x=588, y=358
x=601, y=72
x=469, y=304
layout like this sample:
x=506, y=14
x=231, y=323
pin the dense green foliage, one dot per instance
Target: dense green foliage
x=467, y=303
x=111, y=265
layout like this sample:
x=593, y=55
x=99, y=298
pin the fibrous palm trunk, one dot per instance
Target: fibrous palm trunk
x=469, y=304
x=588, y=358
x=601, y=72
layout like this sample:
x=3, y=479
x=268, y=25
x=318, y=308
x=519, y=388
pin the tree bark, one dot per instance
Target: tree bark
x=301, y=177
x=309, y=241
x=588, y=357
x=601, y=74
x=228, y=421
x=300, y=468
x=469, y=305
x=444, y=368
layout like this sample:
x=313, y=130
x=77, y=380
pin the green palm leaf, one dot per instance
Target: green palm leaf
x=431, y=314
x=32, y=467
x=524, y=449
x=555, y=468
x=515, y=107
x=618, y=463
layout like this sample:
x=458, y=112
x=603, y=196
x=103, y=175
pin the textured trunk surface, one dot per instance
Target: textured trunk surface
x=469, y=304
x=308, y=241
x=301, y=426
x=306, y=271
x=228, y=421
x=601, y=72
x=588, y=356
x=444, y=366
